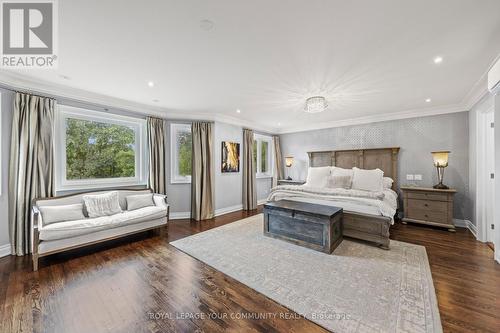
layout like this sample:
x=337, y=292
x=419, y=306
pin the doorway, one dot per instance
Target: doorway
x=486, y=176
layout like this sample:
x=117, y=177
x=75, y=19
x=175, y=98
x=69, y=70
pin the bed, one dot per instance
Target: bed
x=367, y=216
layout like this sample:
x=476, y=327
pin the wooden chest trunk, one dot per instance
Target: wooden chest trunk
x=314, y=226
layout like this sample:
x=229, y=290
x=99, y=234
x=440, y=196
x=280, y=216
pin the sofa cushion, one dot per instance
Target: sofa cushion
x=53, y=214
x=139, y=201
x=85, y=226
x=102, y=204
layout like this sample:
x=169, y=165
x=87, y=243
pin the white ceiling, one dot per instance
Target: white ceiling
x=266, y=57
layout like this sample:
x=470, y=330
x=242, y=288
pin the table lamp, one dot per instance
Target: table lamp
x=288, y=164
x=440, y=162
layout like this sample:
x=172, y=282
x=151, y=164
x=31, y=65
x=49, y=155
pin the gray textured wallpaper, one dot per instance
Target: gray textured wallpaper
x=416, y=137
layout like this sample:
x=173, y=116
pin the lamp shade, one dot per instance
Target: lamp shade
x=288, y=161
x=440, y=158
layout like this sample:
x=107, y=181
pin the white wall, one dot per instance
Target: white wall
x=474, y=121
x=497, y=179
x=228, y=186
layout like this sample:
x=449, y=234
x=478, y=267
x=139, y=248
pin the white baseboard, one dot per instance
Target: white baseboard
x=179, y=215
x=466, y=224
x=218, y=212
x=227, y=210
x=5, y=250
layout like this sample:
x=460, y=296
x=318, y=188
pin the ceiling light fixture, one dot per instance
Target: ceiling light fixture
x=315, y=104
x=151, y=84
x=438, y=60
x=238, y=111
x=428, y=100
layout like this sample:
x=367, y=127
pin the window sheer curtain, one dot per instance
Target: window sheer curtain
x=278, y=161
x=249, y=178
x=203, y=175
x=156, y=129
x=31, y=171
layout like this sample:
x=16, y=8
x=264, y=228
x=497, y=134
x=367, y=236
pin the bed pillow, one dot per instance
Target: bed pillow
x=54, y=214
x=336, y=171
x=387, y=182
x=102, y=204
x=367, y=180
x=139, y=201
x=339, y=182
x=318, y=177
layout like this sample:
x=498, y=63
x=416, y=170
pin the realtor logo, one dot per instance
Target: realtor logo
x=28, y=34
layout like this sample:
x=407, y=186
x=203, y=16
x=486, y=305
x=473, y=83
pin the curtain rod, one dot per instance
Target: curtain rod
x=32, y=94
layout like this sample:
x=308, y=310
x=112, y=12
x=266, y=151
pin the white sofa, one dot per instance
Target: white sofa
x=65, y=235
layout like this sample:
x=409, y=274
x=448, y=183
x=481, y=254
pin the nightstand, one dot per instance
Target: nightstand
x=290, y=182
x=428, y=206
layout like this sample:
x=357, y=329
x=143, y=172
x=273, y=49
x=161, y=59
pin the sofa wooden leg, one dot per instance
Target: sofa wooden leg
x=35, y=263
x=384, y=246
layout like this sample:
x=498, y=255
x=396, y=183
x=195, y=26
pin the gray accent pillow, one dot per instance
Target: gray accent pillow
x=339, y=182
x=54, y=214
x=139, y=201
x=102, y=204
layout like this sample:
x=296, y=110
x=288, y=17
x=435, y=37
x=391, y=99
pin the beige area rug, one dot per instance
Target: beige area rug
x=358, y=288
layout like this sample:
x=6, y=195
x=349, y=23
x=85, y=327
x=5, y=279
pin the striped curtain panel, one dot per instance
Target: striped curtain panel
x=31, y=171
x=203, y=175
x=249, y=169
x=278, y=161
x=157, y=156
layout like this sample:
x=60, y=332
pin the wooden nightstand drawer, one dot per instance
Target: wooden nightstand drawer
x=428, y=205
x=425, y=215
x=428, y=196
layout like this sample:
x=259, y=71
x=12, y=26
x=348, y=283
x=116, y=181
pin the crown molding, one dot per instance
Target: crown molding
x=61, y=92
x=376, y=118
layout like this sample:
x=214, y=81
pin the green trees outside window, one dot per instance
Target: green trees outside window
x=264, y=165
x=184, y=144
x=99, y=150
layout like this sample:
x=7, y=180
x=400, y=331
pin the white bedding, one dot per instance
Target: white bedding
x=382, y=203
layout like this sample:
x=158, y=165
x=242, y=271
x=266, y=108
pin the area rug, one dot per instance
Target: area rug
x=358, y=288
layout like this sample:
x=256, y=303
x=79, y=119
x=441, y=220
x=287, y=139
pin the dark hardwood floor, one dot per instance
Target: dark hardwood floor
x=121, y=285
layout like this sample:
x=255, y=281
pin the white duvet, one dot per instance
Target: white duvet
x=382, y=203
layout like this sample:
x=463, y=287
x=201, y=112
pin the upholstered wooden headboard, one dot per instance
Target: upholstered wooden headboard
x=386, y=159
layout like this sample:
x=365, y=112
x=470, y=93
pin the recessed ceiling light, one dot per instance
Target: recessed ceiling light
x=238, y=111
x=279, y=124
x=428, y=100
x=438, y=60
x=151, y=84
x=206, y=25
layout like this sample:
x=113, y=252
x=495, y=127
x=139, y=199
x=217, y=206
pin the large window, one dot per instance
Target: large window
x=262, y=154
x=181, y=153
x=96, y=149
